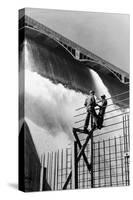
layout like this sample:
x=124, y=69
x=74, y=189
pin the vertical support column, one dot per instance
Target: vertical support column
x=128, y=147
x=128, y=132
x=61, y=168
x=87, y=170
x=41, y=174
x=77, y=54
x=74, y=167
x=57, y=169
x=73, y=52
x=42, y=171
x=47, y=176
x=124, y=135
x=116, y=161
x=99, y=167
x=51, y=171
x=104, y=153
x=83, y=183
x=66, y=162
x=55, y=165
x=121, y=151
x=71, y=166
x=122, y=78
x=125, y=149
x=92, y=178
x=128, y=170
x=110, y=166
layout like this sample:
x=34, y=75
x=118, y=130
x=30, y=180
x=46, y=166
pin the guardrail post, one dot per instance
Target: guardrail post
x=74, y=167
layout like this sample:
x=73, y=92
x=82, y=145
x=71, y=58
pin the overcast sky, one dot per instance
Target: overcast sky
x=106, y=35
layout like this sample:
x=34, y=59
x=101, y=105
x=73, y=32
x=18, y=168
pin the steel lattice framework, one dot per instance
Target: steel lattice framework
x=96, y=158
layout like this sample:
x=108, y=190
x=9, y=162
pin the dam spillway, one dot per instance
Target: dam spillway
x=53, y=59
x=57, y=75
x=44, y=58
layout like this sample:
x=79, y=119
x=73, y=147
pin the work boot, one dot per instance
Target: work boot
x=101, y=126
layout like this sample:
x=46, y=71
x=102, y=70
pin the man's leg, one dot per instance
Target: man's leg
x=95, y=117
x=102, y=118
x=99, y=122
x=87, y=121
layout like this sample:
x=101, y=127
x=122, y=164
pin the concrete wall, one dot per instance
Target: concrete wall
x=29, y=163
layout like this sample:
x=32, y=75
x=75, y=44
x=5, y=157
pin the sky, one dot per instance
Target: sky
x=104, y=34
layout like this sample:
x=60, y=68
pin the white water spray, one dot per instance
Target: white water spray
x=49, y=107
x=112, y=109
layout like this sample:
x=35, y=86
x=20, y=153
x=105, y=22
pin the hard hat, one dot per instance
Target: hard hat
x=103, y=96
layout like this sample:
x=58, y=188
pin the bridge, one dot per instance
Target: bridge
x=77, y=52
x=92, y=160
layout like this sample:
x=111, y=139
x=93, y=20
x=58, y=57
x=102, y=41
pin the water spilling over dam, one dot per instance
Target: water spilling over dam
x=55, y=76
x=56, y=84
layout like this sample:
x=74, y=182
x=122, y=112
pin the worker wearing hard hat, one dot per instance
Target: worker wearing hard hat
x=90, y=104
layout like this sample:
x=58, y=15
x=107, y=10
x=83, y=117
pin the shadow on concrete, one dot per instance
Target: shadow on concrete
x=13, y=185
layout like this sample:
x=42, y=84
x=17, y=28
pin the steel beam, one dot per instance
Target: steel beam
x=78, y=157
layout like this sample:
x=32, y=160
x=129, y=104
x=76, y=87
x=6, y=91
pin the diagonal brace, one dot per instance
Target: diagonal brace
x=80, y=146
x=78, y=157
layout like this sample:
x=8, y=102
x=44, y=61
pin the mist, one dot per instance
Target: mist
x=50, y=106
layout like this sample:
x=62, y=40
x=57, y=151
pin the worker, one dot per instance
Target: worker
x=90, y=104
x=102, y=111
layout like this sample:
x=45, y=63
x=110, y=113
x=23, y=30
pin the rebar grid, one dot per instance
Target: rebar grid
x=110, y=165
x=108, y=158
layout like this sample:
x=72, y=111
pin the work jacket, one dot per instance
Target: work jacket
x=90, y=102
x=103, y=107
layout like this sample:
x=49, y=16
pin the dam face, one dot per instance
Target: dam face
x=56, y=84
x=53, y=61
x=55, y=150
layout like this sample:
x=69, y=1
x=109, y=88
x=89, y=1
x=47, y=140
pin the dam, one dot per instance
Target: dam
x=57, y=74
x=75, y=50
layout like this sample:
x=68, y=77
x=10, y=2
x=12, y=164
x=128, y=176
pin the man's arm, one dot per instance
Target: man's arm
x=97, y=100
